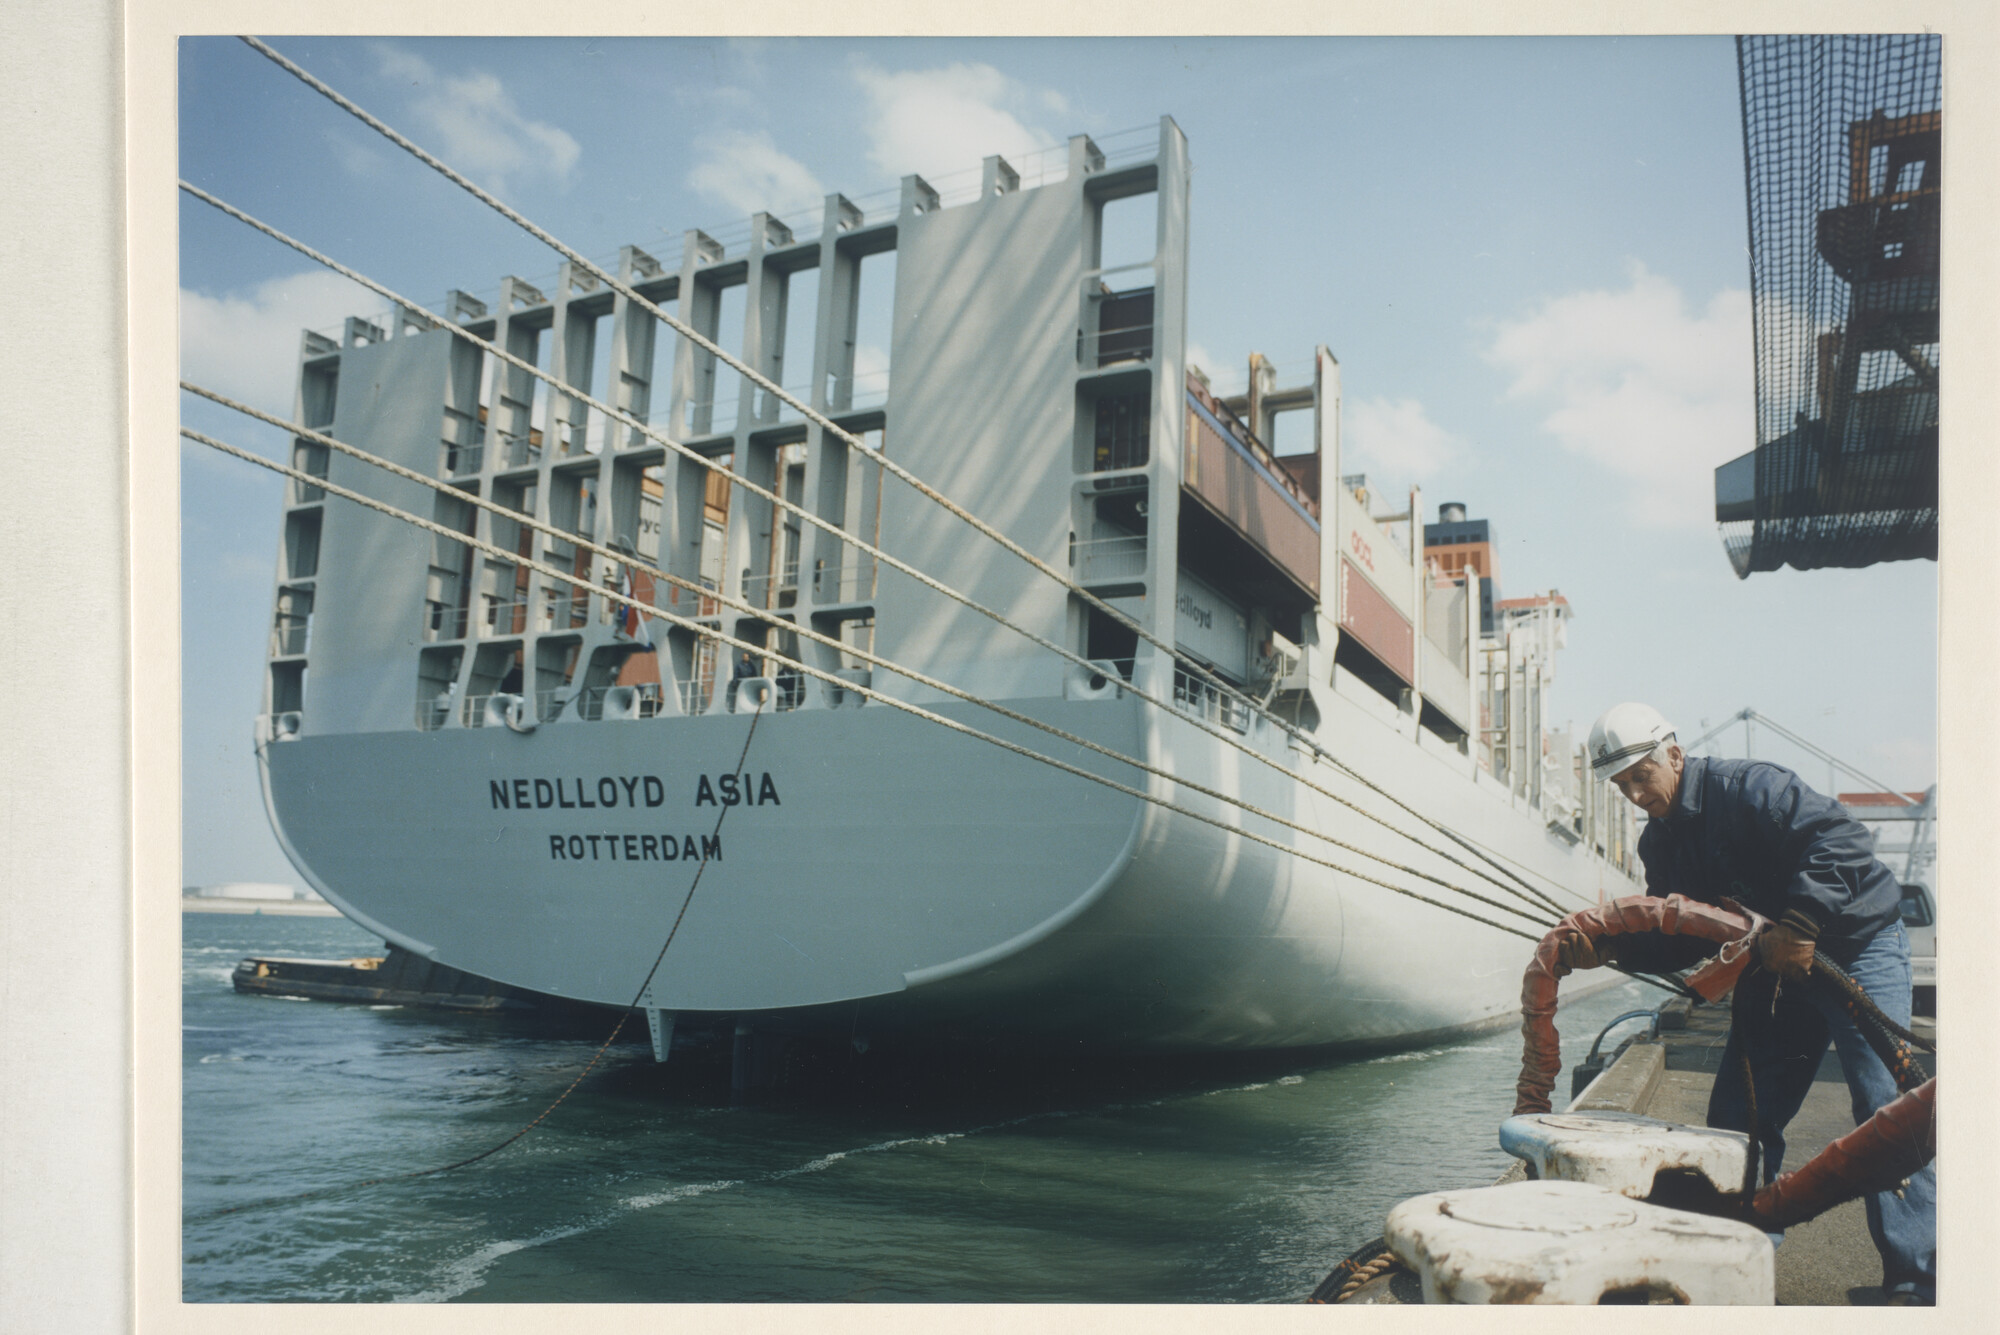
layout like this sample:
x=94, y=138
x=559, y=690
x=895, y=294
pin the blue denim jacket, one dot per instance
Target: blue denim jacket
x=1753, y=832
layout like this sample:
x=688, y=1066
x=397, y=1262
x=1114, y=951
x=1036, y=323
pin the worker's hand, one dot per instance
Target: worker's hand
x=1578, y=951
x=1785, y=951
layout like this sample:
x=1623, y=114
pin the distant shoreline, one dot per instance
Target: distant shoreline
x=297, y=908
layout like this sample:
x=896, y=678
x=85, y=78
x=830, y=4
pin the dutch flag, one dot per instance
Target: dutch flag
x=630, y=623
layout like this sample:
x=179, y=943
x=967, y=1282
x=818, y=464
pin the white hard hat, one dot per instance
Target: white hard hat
x=1623, y=736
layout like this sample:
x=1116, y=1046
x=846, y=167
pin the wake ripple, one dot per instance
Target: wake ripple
x=459, y=1277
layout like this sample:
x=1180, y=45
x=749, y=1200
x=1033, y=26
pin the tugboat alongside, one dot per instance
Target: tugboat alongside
x=509, y=774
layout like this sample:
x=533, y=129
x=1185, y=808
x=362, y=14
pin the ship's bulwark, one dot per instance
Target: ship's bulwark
x=872, y=873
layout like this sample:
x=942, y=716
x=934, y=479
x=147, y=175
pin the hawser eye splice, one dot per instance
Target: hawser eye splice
x=1675, y=915
x=1897, y=1141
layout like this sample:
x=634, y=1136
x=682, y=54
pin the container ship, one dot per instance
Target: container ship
x=475, y=750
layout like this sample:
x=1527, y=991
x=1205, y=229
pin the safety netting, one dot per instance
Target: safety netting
x=1841, y=142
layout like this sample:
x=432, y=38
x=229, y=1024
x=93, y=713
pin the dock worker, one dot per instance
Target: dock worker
x=1753, y=832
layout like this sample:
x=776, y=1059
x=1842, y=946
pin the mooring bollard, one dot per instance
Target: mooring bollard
x=1623, y=1152
x=1575, y=1243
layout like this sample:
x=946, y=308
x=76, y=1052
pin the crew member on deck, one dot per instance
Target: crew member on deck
x=1753, y=832
x=746, y=668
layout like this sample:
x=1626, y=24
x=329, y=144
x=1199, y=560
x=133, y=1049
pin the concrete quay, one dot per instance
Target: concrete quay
x=1828, y=1261
x=277, y=908
x=1825, y=1261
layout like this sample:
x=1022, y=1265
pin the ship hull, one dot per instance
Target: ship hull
x=872, y=872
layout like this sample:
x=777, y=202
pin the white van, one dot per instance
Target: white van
x=1920, y=922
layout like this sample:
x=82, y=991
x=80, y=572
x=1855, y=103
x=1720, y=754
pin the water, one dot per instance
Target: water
x=1181, y=1181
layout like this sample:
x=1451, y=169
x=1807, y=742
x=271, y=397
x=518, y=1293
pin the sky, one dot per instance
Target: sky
x=1528, y=254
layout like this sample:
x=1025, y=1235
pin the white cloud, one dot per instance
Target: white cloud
x=247, y=345
x=941, y=121
x=471, y=122
x=745, y=171
x=1903, y=761
x=1199, y=355
x=402, y=66
x=1637, y=383
x=871, y=371
x=1394, y=439
x=1787, y=327
x=353, y=157
x=251, y=572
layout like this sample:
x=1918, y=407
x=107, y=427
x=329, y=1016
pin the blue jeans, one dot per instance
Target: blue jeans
x=1785, y=1053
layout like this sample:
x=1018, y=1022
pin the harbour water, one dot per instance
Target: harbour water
x=1231, y=1181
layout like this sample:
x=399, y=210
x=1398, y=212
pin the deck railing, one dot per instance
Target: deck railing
x=518, y=451
x=565, y=608
x=848, y=584
x=1195, y=696
x=642, y=699
x=692, y=695
x=1121, y=557
x=442, y=621
x=288, y=635
x=504, y=616
x=757, y=588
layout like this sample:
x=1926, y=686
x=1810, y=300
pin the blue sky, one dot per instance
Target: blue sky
x=1529, y=256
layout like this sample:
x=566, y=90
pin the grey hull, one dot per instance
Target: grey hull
x=901, y=878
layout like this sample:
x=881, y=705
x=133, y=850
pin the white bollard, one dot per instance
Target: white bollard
x=1623, y=1151
x=1573, y=1243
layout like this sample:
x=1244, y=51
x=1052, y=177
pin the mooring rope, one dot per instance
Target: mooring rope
x=1888, y=1038
x=1890, y=1041
x=589, y=1066
x=1483, y=853
x=1365, y=1263
x=825, y=423
x=1532, y=897
x=618, y=285
x=1742, y=1004
x=722, y=637
x=876, y=660
x=1382, y=1264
